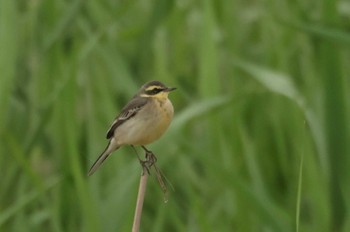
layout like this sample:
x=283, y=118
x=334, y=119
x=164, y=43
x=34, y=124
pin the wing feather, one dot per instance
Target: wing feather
x=129, y=111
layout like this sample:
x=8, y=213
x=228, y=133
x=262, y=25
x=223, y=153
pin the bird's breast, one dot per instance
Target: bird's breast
x=147, y=125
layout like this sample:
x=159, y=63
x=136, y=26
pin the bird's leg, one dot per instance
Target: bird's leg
x=137, y=153
x=145, y=149
x=150, y=157
x=151, y=160
x=144, y=163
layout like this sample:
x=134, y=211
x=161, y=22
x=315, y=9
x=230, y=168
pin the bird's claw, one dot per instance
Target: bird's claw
x=150, y=160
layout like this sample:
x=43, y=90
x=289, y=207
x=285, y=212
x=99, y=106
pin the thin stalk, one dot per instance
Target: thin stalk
x=140, y=199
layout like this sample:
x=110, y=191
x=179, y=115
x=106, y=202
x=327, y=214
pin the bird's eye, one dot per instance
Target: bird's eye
x=154, y=91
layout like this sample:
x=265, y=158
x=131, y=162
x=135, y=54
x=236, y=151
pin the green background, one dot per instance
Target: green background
x=261, y=136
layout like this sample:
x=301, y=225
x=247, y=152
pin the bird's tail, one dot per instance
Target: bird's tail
x=109, y=149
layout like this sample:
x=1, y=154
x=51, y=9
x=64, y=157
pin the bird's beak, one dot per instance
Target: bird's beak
x=170, y=89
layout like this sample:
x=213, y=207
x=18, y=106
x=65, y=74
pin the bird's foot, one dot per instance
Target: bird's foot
x=150, y=160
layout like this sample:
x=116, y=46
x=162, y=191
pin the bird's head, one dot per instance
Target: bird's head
x=155, y=89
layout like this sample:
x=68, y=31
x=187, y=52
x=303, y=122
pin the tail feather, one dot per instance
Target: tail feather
x=109, y=149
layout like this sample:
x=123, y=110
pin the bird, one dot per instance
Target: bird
x=142, y=121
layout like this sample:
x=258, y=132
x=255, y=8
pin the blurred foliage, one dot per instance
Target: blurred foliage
x=260, y=140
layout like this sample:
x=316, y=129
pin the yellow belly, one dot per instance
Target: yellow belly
x=147, y=126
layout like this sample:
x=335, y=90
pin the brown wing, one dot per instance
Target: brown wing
x=129, y=111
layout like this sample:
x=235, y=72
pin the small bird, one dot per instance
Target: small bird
x=142, y=121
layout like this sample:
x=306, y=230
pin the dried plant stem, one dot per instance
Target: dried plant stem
x=146, y=165
x=140, y=199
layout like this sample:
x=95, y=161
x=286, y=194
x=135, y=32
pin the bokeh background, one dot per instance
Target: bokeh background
x=260, y=140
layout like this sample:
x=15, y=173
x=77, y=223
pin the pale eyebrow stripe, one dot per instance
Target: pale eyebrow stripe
x=151, y=88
